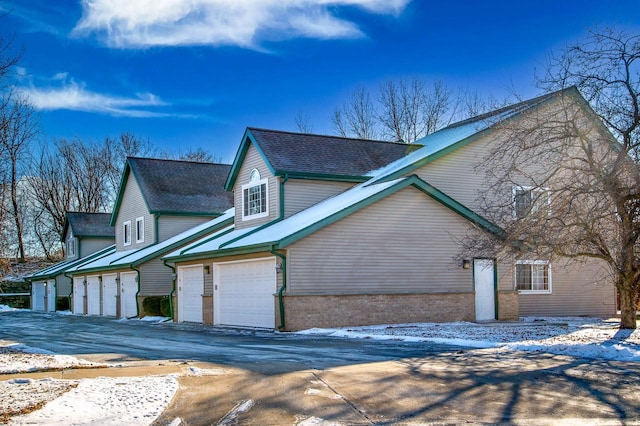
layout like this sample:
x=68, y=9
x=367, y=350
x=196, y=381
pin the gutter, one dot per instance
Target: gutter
x=283, y=287
x=71, y=293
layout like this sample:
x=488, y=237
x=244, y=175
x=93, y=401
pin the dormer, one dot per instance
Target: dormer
x=276, y=174
x=85, y=233
x=161, y=198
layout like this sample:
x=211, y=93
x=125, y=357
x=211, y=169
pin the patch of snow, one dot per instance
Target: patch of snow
x=155, y=319
x=576, y=336
x=107, y=401
x=17, y=358
x=6, y=308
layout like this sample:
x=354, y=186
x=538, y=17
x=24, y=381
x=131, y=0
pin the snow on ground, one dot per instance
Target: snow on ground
x=16, y=358
x=575, y=336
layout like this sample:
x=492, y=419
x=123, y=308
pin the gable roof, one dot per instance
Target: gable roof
x=178, y=187
x=89, y=225
x=459, y=134
x=317, y=156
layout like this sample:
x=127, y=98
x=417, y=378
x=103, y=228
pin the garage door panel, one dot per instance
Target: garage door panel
x=109, y=295
x=128, y=290
x=37, y=296
x=245, y=293
x=93, y=295
x=78, y=295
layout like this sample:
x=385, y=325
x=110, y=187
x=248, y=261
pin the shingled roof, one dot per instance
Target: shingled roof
x=89, y=225
x=179, y=187
x=306, y=154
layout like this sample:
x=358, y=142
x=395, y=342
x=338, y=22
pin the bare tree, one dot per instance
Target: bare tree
x=411, y=110
x=567, y=187
x=357, y=117
x=18, y=127
x=303, y=122
x=198, y=155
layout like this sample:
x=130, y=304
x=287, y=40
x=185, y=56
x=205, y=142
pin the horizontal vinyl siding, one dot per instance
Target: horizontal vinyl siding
x=301, y=194
x=169, y=226
x=401, y=244
x=156, y=278
x=132, y=207
x=579, y=289
x=253, y=160
x=63, y=286
x=91, y=245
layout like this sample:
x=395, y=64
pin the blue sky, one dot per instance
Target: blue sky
x=196, y=73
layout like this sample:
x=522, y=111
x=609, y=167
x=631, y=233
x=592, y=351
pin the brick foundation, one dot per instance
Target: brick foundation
x=302, y=312
x=508, y=306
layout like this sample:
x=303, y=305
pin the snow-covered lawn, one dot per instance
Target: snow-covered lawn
x=575, y=336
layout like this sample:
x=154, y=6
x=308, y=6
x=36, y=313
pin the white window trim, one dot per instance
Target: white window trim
x=533, y=262
x=265, y=182
x=533, y=189
x=141, y=221
x=71, y=247
x=125, y=225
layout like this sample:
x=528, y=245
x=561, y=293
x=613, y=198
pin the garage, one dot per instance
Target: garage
x=38, y=292
x=244, y=293
x=190, y=290
x=51, y=295
x=93, y=295
x=128, y=291
x=78, y=295
x=109, y=295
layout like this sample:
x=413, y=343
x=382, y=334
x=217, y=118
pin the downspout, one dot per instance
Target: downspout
x=137, y=292
x=283, y=258
x=174, y=277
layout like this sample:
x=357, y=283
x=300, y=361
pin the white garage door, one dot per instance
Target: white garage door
x=244, y=293
x=128, y=290
x=38, y=290
x=109, y=295
x=51, y=296
x=78, y=295
x=190, y=290
x=93, y=295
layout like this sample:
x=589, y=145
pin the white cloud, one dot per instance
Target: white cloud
x=75, y=97
x=244, y=23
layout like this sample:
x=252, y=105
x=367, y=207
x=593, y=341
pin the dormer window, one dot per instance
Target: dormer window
x=255, y=197
x=140, y=230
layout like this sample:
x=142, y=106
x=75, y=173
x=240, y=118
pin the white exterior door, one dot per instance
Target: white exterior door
x=51, y=296
x=244, y=293
x=78, y=295
x=109, y=294
x=190, y=291
x=38, y=290
x=484, y=282
x=93, y=295
x=128, y=290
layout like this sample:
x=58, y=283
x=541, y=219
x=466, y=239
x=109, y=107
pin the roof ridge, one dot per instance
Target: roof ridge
x=327, y=136
x=526, y=103
x=177, y=161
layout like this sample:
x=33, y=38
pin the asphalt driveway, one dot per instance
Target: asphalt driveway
x=267, y=378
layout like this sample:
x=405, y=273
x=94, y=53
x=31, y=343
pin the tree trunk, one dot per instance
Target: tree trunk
x=627, y=292
x=16, y=211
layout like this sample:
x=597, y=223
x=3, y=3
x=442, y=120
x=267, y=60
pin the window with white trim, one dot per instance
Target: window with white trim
x=71, y=247
x=126, y=231
x=533, y=276
x=528, y=200
x=255, y=197
x=140, y=230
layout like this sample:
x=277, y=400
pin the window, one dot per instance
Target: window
x=533, y=276
x=71, y=247
x=254, y=197
x=529, y=200
x=140, y=230
x=126, y=230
